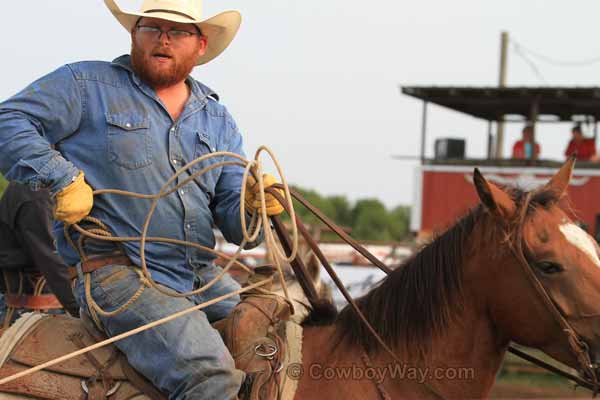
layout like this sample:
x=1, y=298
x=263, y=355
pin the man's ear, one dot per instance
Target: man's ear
x=203, y=46
x=496, y=200
x=560, y=181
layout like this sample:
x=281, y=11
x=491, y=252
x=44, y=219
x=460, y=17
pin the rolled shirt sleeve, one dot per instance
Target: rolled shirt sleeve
x=34, y=121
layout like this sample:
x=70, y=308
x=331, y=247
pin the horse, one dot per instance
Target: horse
x=515, y=268
x=447, y=315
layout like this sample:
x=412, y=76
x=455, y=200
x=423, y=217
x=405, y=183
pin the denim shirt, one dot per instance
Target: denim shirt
x=99, y=117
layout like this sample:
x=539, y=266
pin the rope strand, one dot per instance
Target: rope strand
x=251, y=231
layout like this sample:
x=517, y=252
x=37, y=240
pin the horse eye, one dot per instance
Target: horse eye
x=549, y=267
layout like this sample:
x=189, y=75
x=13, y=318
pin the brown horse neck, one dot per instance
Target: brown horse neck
x=469, y=353
x=461, y=363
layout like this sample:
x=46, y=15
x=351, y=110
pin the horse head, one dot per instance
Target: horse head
x=547, y=287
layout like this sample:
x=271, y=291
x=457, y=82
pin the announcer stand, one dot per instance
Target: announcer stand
x=443, y=184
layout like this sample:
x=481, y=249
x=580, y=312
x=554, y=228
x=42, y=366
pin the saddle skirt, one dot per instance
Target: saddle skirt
x=256, y=333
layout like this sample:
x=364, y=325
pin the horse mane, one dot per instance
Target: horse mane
x=416, y=302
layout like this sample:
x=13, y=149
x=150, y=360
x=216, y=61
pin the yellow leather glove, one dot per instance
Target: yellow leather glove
x=252, y=197
x=74, y=202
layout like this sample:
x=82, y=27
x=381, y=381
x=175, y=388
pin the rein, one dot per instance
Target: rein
x=578, y=346
x=303, y=275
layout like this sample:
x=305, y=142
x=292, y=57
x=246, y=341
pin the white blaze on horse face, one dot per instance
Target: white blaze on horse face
x=580, y=238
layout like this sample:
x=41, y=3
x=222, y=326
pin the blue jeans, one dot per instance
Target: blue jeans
x=185, y=358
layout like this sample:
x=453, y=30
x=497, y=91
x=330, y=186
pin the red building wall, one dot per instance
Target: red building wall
x=447, y=195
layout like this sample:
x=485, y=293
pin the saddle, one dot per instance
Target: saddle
x=253, y=333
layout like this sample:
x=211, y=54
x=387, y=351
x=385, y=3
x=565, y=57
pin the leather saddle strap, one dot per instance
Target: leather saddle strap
x=32, y=302
x=102, y=369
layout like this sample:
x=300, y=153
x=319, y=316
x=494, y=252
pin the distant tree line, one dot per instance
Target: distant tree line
x=367, y=219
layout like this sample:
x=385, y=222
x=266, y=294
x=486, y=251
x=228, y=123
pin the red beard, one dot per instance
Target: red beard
x=175, y=69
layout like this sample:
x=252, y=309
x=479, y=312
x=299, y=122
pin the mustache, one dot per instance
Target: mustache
x=162, y=51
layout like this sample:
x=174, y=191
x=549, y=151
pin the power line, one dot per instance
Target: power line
x=554, y=61
x=528, y=61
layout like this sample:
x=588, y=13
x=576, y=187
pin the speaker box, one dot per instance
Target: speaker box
x=447, y=148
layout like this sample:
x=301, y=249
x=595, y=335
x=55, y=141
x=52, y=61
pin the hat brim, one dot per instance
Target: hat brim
x=219, y=30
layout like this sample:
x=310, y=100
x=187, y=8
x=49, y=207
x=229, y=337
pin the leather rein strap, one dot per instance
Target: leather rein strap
x=311, y=294
x=579, y=347
x=298, y=267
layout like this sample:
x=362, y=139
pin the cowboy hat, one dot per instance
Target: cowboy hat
x=219, y=30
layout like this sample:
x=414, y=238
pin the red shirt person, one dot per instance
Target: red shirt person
x=526, y=148
x=585, y=148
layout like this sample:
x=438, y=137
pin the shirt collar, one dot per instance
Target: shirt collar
x=200, y=91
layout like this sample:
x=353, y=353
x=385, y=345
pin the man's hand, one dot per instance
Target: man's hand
x=252, y=197
x=74, y=202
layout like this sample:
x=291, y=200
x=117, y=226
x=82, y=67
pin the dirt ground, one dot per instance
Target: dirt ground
x=504, y=389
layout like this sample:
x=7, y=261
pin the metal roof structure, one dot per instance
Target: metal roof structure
x=515, y=103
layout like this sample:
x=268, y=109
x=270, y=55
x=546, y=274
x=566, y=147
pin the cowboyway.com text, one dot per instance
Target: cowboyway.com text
x=379, y=373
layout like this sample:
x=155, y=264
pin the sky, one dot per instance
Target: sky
x=318, y=81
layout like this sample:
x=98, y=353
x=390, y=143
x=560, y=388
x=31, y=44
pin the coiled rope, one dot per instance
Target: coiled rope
x=259, y=221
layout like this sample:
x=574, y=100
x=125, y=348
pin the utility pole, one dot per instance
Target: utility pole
x=502, y=83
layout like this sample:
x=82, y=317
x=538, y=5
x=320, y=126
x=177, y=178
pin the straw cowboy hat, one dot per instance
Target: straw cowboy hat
x=219, y=30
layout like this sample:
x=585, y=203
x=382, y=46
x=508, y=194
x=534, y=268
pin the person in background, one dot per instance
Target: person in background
x=526, y=148
x=584, y=148
x=28, y=255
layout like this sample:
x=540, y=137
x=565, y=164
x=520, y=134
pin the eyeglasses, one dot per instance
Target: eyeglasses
x=154, y=33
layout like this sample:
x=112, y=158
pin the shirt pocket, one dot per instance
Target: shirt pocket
x=129, y=141
x=205, y=145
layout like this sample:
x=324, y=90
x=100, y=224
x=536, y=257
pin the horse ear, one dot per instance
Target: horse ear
x=493, y=198
x=560, y=181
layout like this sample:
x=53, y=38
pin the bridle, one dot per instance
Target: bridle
x=579, y=348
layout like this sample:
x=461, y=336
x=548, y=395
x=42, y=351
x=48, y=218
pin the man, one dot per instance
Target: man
x=131, y=124
x=526, y=148
x=28, y=253
x=584, y=148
